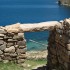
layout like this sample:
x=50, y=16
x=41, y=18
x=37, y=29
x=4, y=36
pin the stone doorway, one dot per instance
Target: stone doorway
x=37, y=54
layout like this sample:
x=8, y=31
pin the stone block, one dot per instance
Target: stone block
x=64, y=57
x=13, y=55
x=66, y=65
x=1, y=42
x=69, y=40
x=16, y=46
x=22, y=47
x=2, y=47
x=10, y=34
x=21, y=43
x=69, y=53
x=52, y=51
x=7, y=58
x=62, y=49
x=2, y=31
x=5, y=61
x=2, y=56
x=2, y=35
x=60, y=31
x=7, y=54
x=10, y=49
x=68, y=46
x=20, y=61
x=21, y=35
x=7, y=37
x=0, y=59
x=21, y=56
x=12, y=40
x=15, y=36
x=10, y=44
x=1, y=38
x=21, y=51
x=60, y=60
x=1, y=52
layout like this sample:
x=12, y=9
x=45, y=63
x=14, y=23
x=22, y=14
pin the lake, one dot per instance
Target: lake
x=32, y=11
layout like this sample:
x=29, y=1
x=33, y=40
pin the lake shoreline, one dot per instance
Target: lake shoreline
x=35, y=55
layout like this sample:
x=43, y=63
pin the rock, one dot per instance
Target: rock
x=21, y=56
x=68, y=46
x=2, y=56
x=69, y=41
x=21, y=35
x=25, y=65
x=22, y=47
x=16, y=46
x=7, y=37
x=7, y=58
x=2, y=47
x=7, y=54
x=21, y=43
x=1, y=38
x=0, y=59
x=1, y=52
x=60, y=31
x=15, y=28
x=1, y=35
x=5, y=61
x=21, y=51
x=10, y=44
x=10, y=49
x=69, y=53
x=13, y=55
x=53, y=69
x=11, y=40
x=20, y=61
x=15, y=37
x=1, y=42
x=10, y=34
x=2, y=31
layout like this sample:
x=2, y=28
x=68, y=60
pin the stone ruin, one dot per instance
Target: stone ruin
x=12, y=46
x=13, y=43
x=59, y=47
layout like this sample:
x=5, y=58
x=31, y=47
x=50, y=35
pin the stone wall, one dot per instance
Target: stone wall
x=12, y=46
x=59, y=47
x=13, y=43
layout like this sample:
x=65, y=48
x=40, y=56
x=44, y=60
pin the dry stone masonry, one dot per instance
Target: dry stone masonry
x=12, y=46
x=13, y=43
x=59, y=47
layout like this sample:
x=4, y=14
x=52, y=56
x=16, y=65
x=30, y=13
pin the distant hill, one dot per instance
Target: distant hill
x=65, y=2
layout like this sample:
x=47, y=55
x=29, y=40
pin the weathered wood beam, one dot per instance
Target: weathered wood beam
x=32, y=27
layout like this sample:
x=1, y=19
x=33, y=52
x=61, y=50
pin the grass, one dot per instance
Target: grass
x=9, y=66
x=28, y=65
x=35, y=63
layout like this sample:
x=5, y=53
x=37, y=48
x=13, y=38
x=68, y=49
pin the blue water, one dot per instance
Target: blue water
x=32, y=11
